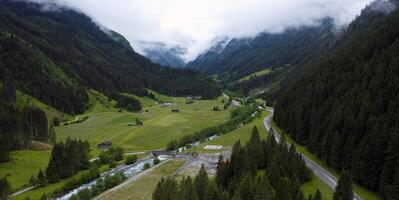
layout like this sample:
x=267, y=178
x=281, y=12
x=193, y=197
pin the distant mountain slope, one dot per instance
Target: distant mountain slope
x=241, y=57
x=344, y=106
x=167, y=57
x=56, y=55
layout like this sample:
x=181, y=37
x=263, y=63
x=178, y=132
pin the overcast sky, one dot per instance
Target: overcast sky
x=195, y=23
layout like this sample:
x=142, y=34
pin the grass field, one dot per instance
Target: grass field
x=258, y=73
x=143, y=188
x=227, y=140
x=160, y=124
x=363, y=192
x=23, y=165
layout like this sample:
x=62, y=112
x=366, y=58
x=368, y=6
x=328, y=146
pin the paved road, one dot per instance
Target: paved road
x=323, y=174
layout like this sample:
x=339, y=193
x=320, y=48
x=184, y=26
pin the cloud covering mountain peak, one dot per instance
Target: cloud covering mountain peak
x=194, y=24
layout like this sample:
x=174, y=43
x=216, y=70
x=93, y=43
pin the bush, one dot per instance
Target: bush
x=56, y=121
x=156, y=161
x=146, y=166
x=131, y=159
x=113, y=164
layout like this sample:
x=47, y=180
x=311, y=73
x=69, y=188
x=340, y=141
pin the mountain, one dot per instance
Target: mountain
x=343, y=105
x=167, y=57
x=241, y=57
x=56, y=55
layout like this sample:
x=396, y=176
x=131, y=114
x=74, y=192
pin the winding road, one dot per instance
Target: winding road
x=323, y=174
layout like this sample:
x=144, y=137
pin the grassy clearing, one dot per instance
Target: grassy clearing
x=25, y=99
x=363, y=192
x=143, y=188
x=315, y=184
x=22, y=166
x=160, y=124
x=258, y=73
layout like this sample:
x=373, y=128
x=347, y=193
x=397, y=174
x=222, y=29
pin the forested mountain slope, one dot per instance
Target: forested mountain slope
x=345, y=105
x=56, y=55
x=240, y=57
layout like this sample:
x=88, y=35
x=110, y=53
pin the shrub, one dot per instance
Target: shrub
x=146, y=166
x=156, y=161
x=131, y=159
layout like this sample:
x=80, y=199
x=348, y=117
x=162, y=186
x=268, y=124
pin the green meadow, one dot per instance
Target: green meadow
x=160, y=125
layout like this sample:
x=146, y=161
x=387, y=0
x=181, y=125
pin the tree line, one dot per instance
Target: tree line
x=344, y=106
x=18, y=127
x=238, y=116
x=261, y=169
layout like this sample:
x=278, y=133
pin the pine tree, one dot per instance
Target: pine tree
x=187, y=189
x=201, y=183
x=344, y=189
x=51, y=134
x=212, y=192
x=4, y=151
x=41, y=179
x=255, y=150
x=317, y=195
x=5, y=188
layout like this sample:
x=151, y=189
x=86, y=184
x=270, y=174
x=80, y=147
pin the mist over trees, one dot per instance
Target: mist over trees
x=344, y=106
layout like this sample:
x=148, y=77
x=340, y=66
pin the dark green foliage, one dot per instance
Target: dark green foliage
x=187, y=189
x=67, y=159
x=344, y=104
x=156, y=161
x=166, y=190
x=17, y=128
x=237, y=178
x=56, y=121
x=41, y=179
x=390, y=171
x=101, y=185
x=241, y=115
x=344, y=189
x=111, y=154
x=201, y=183
x=76, y=182
x=241, y=57
x=51, y=135
x=146, y=166
x=5, y=188
x=4, y=151
x=317, y=195
x=131, y=159
x=127, y=102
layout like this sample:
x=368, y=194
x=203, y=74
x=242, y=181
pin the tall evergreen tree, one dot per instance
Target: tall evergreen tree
x=201, y=183
x=51, y=134
x=317, y=195
x=187, y=189
x=4, y=151
x=5, y=188
x=255, y=150
x=344, y=189
x=41, y=179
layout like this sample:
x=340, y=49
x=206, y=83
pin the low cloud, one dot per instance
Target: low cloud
x=194, y=24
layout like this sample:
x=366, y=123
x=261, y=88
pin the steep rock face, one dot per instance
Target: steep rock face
x=245, y=56
x=344, y=105
x=56, y=55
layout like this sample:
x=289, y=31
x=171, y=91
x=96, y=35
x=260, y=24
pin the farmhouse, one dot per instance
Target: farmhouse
x=104, y=145
x=162, y=153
